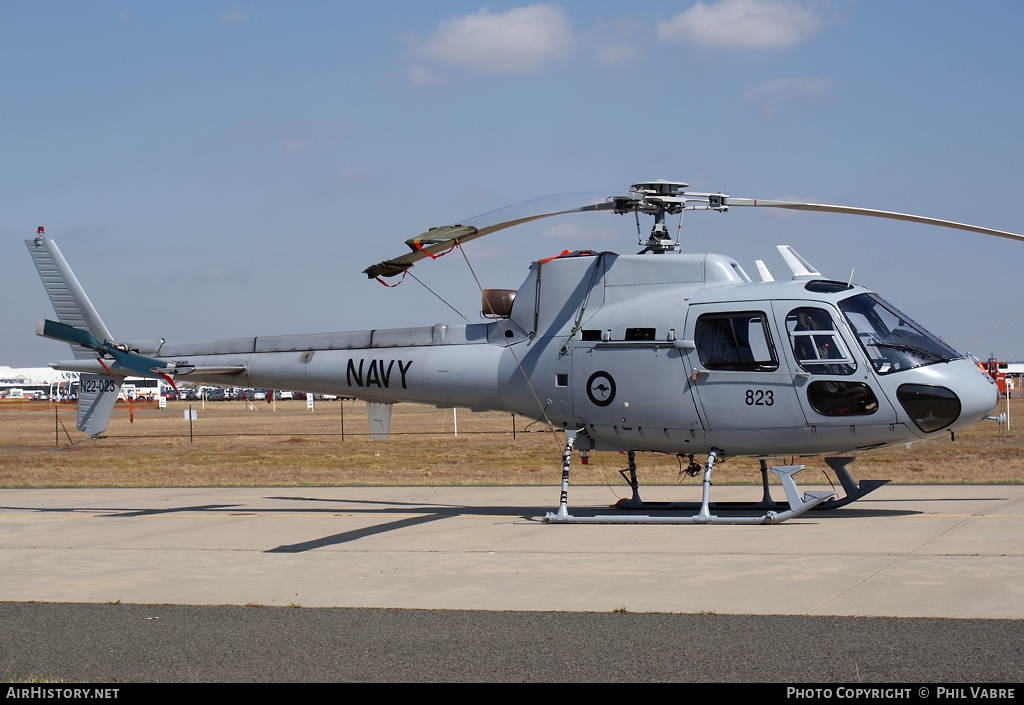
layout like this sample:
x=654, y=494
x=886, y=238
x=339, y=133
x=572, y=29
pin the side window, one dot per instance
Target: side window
x=735, y=341
x=837, y=398
x=816, y=344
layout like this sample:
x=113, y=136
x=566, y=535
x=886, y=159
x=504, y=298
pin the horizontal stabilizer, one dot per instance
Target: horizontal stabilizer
x=93, y=366
x=222, y=370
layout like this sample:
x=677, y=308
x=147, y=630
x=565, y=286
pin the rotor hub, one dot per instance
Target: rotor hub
x=659, y=199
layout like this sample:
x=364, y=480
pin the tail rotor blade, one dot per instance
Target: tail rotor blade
x=67, y=334
x=140, y=364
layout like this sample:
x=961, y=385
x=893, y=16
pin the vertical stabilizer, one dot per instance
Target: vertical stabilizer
x=96, y=393
x=96, y=397
x=69, y=301
x=378, y=416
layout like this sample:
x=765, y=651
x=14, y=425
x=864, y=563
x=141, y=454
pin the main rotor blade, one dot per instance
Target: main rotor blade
x=442, y=239
x=437, y=241
x=825, y=208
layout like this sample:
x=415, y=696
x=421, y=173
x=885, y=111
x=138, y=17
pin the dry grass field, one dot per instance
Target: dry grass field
x=286, y=444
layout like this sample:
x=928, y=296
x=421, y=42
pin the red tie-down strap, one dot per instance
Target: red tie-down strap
x=563, y=253
x=392, y=286
x=581, y=253
x=167, y=379
x=420, y=248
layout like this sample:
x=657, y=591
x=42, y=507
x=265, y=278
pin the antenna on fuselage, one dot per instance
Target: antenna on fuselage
x=762, y=269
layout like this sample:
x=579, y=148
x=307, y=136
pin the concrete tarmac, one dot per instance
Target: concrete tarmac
x=903, y=551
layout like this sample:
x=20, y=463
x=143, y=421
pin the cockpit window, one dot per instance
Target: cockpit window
x=891, y=340
x=735, y=341
x=816, y=344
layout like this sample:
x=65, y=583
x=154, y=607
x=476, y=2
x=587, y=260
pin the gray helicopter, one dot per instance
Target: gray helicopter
x=659, y=351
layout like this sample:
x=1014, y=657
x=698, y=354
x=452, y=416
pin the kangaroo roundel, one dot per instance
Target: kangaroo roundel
x=601, y=388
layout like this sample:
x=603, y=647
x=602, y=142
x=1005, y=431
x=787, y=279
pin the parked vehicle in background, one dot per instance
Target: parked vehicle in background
x=215, y=394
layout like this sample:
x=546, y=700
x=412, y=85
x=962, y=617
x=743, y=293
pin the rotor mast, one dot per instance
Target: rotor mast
x=658, y=198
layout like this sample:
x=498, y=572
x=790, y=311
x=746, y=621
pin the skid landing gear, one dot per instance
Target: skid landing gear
x=797, y=505
x=854, y=490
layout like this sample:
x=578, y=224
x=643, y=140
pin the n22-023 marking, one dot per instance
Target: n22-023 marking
x=760, y=397
x=98, y=385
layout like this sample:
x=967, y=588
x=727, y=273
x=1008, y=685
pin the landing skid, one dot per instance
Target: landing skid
x=796, y=505
x=854, y=491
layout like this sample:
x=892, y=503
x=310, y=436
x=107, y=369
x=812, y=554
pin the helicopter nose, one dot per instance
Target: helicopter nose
x=957, y=397
x=979, y=397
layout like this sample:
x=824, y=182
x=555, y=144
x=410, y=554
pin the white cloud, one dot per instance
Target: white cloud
x=778, y=90
x=742, y=24
x=422, y=77
x=520, y=41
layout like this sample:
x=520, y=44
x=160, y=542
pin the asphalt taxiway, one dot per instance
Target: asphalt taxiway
x=903, y=551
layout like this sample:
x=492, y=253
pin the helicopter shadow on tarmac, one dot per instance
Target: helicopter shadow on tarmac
x=417, y=514
x=528, y=514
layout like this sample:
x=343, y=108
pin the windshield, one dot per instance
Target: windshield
x=891, y=340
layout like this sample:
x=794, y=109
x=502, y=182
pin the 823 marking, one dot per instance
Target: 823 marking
x=760, y=397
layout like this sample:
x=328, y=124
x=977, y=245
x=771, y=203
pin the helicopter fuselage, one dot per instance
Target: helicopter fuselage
x=672, y=353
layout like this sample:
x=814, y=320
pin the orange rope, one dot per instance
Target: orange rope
x=996, y=328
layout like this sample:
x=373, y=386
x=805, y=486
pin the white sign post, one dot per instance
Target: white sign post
x=190, y=415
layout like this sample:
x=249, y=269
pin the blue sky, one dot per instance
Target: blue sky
x=213, y=169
